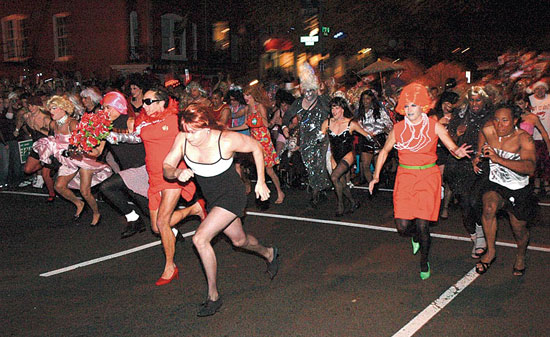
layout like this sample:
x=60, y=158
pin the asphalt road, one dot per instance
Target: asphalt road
x=349, y=276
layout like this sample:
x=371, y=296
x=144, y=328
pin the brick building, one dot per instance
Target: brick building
x=104, y=37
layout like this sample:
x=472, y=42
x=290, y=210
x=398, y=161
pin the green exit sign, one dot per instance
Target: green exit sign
x=325, y=30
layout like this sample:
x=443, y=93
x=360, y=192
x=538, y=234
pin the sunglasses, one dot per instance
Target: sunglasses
x=149, y=101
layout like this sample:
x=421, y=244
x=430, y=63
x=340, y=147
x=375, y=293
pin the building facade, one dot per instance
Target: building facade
x=105, y=37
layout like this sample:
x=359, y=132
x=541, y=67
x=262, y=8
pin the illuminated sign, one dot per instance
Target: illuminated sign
x=309, y=40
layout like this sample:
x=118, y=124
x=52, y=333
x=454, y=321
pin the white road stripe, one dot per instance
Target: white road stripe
x=25, y=193
x=108, y=257
x=358, y=187
x=280, y=216
x=431, y=310
x=386, y=229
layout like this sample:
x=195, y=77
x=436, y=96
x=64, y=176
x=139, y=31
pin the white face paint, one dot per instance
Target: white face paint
x=310, y=94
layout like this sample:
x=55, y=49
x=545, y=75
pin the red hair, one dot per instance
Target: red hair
x=414, y=93
x=197, y=116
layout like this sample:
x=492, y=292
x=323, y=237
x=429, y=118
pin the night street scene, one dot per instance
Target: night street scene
x=275, y=168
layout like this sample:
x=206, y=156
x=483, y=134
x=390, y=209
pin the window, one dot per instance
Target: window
x=134, y=36
x=15, y=35
x=173, y=29
x=220, y=35
x=61, y=37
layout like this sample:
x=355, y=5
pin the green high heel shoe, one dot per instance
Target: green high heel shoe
x=416, y=246
x=426, y=274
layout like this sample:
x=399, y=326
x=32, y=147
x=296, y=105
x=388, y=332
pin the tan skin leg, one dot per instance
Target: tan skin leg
x=33, y=165
x=521, y=233
x=48, y=180
x=86, y=192
x=492, y=203
x=61, y=188
x=181, y=214
x=160, y=223
x=280, y=195
x=219, y=220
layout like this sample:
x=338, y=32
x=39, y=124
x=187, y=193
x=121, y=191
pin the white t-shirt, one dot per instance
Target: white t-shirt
x=541, y=108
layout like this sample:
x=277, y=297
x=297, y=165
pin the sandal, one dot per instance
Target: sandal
x=482, y=267
x=518, y=272
x=480, y=244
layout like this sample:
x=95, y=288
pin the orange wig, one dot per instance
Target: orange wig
x=414, y=93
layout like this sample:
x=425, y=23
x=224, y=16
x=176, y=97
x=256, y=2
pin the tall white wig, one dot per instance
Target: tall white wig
x=308, y=79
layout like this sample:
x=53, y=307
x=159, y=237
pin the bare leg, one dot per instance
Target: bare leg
x=492, y=202
x=86, y=192
x=279, y=147
x=280, y=195
x=61, y=188
x=521, y=234
x=160, y=223
x=219, y=220
x=48, y=180
x=181, y=214
x=32, y=165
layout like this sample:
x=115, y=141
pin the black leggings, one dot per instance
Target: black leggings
x=118, y=194
x=420, y=232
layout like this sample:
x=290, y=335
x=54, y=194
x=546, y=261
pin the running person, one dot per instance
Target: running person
x=208, y=150
x=340, y=129
x=417, y=190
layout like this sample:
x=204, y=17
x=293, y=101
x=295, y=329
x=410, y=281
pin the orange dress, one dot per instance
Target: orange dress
x=158, y=138
x=417, y=192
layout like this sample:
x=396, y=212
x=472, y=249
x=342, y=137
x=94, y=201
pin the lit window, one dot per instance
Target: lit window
x=220, y=35
x=15, y=35
x=61, y=37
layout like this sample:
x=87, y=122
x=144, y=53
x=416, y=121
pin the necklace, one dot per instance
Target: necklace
x=62, y=120
x=507, y=136
x=421, y=139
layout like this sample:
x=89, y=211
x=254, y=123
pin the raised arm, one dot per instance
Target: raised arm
x=382, y=156
x=235, y=142
x=225, y=116
x=458, y=152
x=355, y=127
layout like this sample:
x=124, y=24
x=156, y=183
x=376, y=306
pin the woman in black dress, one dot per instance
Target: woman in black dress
x=208, y=151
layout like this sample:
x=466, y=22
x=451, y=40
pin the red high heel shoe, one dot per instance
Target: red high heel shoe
x=162, y=281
